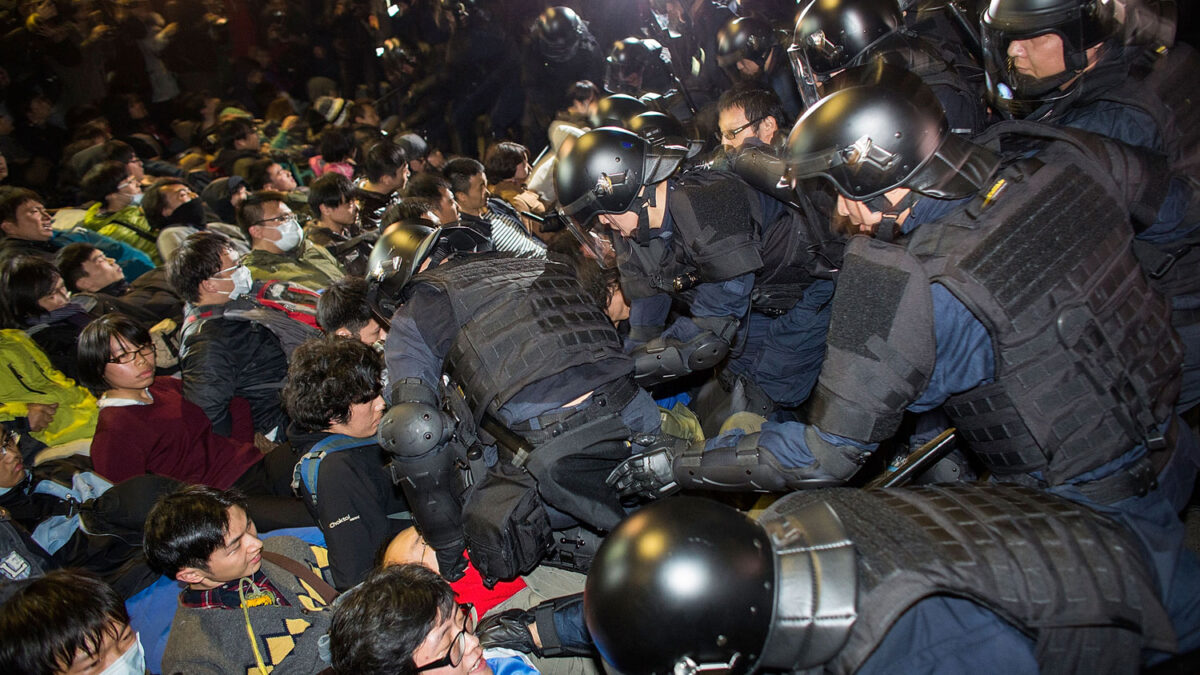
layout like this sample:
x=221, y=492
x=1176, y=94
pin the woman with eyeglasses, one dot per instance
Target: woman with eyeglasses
x=147, y=426
x=34, y=299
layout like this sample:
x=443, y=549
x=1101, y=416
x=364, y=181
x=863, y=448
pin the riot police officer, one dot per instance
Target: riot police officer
x=484, y=346
x=832, y=36
x=736, y=256
x=955, y=579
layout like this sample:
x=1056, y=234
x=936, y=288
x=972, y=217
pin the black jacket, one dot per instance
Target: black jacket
x=355, y=496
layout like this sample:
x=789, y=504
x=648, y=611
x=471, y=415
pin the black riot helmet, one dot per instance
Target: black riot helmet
x=634, y=62
x=687, y=585
x=397, y=256
x=883, y=128
x=744, y=38
x=558, y=32
x=832, y=35
x=662, y=129
x=604, y=170
x=616, y=111
x=1016, y=87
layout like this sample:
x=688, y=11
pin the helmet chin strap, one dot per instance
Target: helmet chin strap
x=888, y=229
x=643, y=204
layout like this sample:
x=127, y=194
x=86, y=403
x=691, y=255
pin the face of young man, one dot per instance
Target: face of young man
x=343, y=215
x=175, y=196
x=623, y=224
x=474, y=200
x=240, y=555
x=99, y=271
x=441, y=641
x=363, y=420
x=447, y=208
x=56, y=298
x=118, y=640
x=280, y=179
x=31, y=223
x=736, y=129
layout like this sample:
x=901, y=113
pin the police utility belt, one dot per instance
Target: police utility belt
x=607, y=399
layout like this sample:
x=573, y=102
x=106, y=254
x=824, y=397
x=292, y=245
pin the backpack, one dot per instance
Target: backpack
x=309, y=466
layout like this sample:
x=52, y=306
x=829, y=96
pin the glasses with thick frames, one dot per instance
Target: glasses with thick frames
x=145, y=351
x=458, y=648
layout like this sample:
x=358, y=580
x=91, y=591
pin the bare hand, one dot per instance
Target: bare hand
x=40, y=415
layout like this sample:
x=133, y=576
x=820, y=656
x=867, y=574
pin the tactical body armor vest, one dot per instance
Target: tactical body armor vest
x=508, y=339
x=1064, y=575
x=1086, y=366
x=720, y=233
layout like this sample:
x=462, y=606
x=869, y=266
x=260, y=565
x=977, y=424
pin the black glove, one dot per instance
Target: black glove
x=651, y=474
x=508, y=630
x=452, y=564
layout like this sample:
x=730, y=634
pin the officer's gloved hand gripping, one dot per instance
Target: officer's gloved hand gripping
x=417, y=433
x=732, y=462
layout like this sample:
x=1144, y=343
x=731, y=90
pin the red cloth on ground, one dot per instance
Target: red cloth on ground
x=470, y=588
x=171, y=437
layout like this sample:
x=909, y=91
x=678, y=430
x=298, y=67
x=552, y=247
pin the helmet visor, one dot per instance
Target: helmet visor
x=1028, y=69
x=808, y=82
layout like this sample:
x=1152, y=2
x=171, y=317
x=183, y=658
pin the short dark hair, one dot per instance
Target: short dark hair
x=94, y=346
x=232, y=130
x=118, y=151
x=257, y=173
x=154, y=200
x=756, y=104
x=13, y=198
x=426, y=186
x=70, y=260
x=103, y=179
x=52, y=618
x=251, y=211
x=383, y=159
x=378, y=626
x=326, y=376
x=359, y=108
x=344, y=305
x=459, y=171
x=407, y=209
x=185, y=527
x=503, y=158
x=599, y=283
x=335, y=144
x=24, y=280
x=196, y=259
x=582, y=91
x=332, y=190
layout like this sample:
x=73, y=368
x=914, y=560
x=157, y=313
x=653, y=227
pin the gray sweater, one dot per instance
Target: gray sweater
x=215, y=640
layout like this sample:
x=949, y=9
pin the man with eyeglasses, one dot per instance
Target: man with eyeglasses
x=278, y=249
x=231, y=344
x=404, y=619
x=117, y=212
x=748, y=116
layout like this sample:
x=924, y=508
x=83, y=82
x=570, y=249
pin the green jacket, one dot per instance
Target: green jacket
x=128, y=226
x=315, y=267
x=28, y=378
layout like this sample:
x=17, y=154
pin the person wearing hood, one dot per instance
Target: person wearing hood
x=277, y=247
x=117, y=213
x=175, y=211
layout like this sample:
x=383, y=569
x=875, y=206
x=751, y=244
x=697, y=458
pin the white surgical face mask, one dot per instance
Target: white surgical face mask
x=132, y=662
x=290, y=235
x=242, y=282
x=137, y=199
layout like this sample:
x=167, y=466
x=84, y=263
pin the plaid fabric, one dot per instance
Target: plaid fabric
x=225, y=596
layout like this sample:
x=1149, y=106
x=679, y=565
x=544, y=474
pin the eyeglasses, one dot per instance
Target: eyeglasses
x=733, y=133
x=136, y=160
x=458, y=648
x=279, y=220
x=145, y=351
